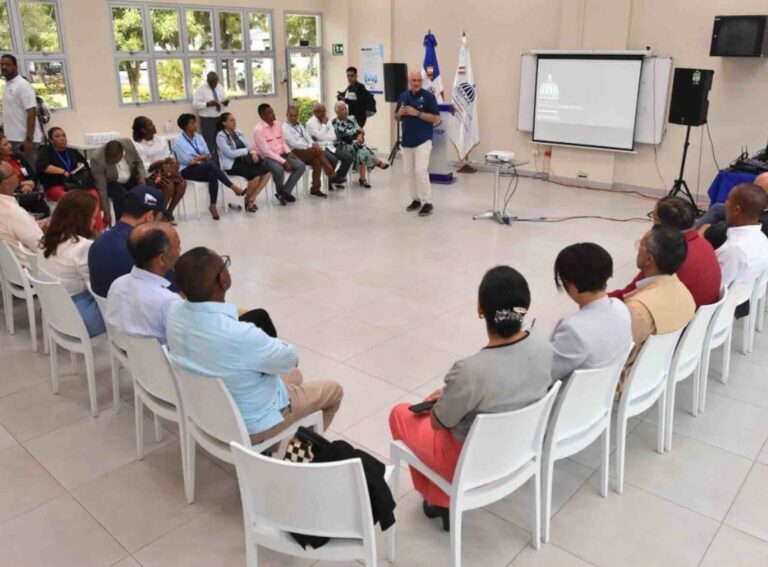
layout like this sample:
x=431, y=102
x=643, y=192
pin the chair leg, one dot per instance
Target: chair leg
x=139, y=413
x=745, y=332
x=32, y=321
x=190, y=466
x=114, y=366
x=158, y=430
x=696, y=388
x=8, y=307
x=606, y=453
x=547, y=471
x=727, y=357
x=760, y=314
x=394, y=482
x=90, y=376
x=621, y=439
x=184, y=459
x=662, y=412
x=536, y=519
x=54, y=365
x=455, y=518
x=668, y=417
x=704, y=379
x=46, y=345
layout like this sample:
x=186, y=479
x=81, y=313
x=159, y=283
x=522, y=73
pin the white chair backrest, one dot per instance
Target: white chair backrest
x=10, y=265
x=760, y=286
x=59, y=309
x=688, y=351
x=586, y=398
x=651, y=367
x=500, y=443
x=323, y=499
x=738, y=293
x=150, y=368
x=29, y=258
x=209, y=405
x=115, y=335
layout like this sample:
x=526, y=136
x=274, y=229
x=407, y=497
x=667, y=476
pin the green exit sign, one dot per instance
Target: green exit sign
x=338, y=49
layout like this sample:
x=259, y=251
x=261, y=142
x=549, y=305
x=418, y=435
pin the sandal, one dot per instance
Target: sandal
x=251, y=207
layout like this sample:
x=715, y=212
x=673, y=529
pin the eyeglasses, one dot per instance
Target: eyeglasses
x=227, y=262
x=652, y=216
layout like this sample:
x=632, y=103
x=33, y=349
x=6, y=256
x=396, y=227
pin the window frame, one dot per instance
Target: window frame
x=216, y=54
x=318, y=49
x=25, y=58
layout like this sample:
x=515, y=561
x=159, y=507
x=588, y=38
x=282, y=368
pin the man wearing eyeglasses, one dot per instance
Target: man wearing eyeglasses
x=207, y=337
x=16, y=225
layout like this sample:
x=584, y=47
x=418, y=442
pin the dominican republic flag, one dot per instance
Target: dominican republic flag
x=464, y=131
x=431, y=70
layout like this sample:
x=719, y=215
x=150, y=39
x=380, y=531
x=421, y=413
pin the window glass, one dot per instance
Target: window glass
x=199, y=30
x=40, y=29
x=49, y=81
x=134, y=81
x=231, y=31
x=302, y=30
x=233, y=76
x=263, y=76
x=166, y=34
x=199, y=68
x=260, y=31
x=128, y=29
x=170, y=79
x=5, y=28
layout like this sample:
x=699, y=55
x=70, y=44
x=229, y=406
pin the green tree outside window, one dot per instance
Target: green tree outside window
x=39, y=27
x=300, y=27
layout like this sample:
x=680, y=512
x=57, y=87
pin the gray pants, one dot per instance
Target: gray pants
x=715, y=213
x=345, y=158
x=208, y=132
x=278, y=173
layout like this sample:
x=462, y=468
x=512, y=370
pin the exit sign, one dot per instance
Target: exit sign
x=338, y=49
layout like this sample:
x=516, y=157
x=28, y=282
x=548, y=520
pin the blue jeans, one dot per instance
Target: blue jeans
x=90, y=313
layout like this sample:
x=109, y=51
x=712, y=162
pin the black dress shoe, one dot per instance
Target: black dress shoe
x=318, y=193
x=290, y=198
x=365, y=184
x=281, y=198
x=426, y=210
x=414, y=206
x=338, y=180
x=431, y=511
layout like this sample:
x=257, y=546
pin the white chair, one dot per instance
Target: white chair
x=154, y=386
x=745, y=294
x=720, y=333
x=687, y=362
x=16, y=284
x=213, y=420
x=242, y=182
x=762, y=307
x=117, y=355
x=501, y=452
x=581, y=414
x=323, y=499
x=645, y=385
x=67, y=330
x=192, y=189
x=756, y=309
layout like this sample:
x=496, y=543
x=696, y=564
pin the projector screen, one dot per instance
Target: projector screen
x=587, y=100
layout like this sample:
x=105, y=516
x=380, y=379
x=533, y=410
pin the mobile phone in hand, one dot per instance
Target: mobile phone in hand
x=421, y=407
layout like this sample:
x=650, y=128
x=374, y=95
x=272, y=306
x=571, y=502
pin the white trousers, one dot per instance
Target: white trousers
x=416, y=166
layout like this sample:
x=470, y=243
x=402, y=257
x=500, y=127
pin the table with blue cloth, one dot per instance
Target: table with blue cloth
x=726, y=180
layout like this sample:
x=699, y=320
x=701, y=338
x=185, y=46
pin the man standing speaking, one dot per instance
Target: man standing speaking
x=417, y=112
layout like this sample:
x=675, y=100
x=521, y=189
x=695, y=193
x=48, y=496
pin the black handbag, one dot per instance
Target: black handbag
x=301, y=449
x=80, y=180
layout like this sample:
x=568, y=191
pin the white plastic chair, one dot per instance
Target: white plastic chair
x=581, y=414
x=192, y=188
x=762, y=307
x=501, y=452
x=745, y=294
x=67, y=330
x=645, y=385
x=756, y=309
x=154, y=386
x=117, y=355
x=213, y=420
x=322, y=499
x=16, y=284
x=686, y=362
x=720, y=333
x=242, y=182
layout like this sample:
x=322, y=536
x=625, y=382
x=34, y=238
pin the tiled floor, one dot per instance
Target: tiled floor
x=383, y=302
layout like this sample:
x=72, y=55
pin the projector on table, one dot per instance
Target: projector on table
x=500, y=156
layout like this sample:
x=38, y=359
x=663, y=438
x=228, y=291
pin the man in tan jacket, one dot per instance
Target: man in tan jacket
x=661, y=303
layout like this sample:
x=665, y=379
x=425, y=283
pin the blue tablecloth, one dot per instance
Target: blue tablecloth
x=725, y=181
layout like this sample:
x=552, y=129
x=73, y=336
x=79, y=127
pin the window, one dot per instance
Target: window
x=305, y=58
x=163, y=52
x=302, y=30
x=30, y=30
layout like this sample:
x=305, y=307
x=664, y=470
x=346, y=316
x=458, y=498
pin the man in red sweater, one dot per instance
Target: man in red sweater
x=701, y=271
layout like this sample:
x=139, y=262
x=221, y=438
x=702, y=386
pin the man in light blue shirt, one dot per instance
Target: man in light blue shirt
x=206, y=337
x=138, y=302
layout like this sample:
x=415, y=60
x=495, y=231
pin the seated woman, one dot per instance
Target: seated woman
x=513, y=371
x=238, y=157
x=62, y=169
x=29, y=196
x=351, y=138
x=159, y=161
x=65, y=246
x=195, y=161
x=599, y=334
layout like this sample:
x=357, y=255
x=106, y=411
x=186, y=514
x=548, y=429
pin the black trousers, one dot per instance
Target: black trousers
x=261, y=319
x=208, y=172
x=116, y=192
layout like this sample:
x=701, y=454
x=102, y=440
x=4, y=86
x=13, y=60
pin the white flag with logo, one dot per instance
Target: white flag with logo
x=464, y=131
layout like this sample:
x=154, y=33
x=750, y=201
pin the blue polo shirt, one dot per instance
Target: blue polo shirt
x=416, y=131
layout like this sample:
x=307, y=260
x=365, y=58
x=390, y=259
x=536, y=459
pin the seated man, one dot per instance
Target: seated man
x=117, y=168
x=138, y=302
x=278, y=158
x=599, y=334
x=108, y=257
x=17, y=226
x=321, y=130
x=305, y=148
x=715, y=215
x=700, y=272
x=744, y=255
x=660, y=303
x=206, y=337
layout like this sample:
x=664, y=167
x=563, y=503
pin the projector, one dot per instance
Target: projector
x=500, y=155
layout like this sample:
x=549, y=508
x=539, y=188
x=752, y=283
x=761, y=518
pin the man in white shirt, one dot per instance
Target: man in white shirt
x=138, y=302
x=19, y=109
x=744, y=255
x=305, y=148
x=16, y=225
x=209, y=100
x=321, y=130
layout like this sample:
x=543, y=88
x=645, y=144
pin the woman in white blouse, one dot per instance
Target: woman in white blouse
x=65, y=246
x=159, y=161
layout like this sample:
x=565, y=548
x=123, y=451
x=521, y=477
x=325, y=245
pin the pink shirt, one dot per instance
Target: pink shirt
x=269, y=141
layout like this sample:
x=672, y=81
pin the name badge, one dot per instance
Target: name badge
x=24, y=171
x=351, y=96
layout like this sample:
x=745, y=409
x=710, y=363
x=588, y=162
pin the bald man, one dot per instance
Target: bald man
x=716, y=213
x=417, y=113
x=138, y=302
x=744, y=255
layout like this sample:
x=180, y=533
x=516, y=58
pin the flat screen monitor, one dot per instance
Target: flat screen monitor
x=587, y=100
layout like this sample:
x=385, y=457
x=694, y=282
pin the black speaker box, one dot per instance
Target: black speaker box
x=395, y=80
x=690, y=89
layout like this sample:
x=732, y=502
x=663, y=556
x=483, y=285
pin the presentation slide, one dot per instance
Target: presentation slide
x=586, y=102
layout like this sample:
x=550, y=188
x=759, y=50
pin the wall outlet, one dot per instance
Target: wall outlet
x=582, y=175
